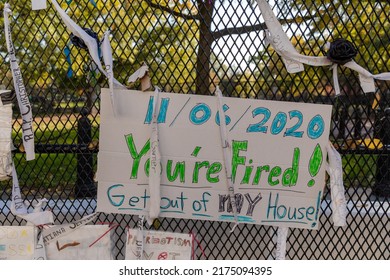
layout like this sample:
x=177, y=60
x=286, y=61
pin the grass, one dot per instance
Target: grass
x=47, y=170
x=52, y=172
x=359, y=170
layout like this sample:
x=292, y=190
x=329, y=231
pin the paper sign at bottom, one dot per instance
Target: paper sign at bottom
x=17, y=242
x=160, y=245
x=38, y=5
x=91, y=242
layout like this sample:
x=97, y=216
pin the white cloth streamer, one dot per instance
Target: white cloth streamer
x=107, y=57
x=38, y=5
x=138, y=74
x=227, y=155
x=40, y=252
x=5, y=141
x=88, y=40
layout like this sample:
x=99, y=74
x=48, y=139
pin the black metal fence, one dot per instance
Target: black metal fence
x=190, y=47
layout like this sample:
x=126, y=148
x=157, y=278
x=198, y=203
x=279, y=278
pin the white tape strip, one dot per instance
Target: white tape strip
x=18, y=207
x=51, y=234
x=337, y=190
x=20, y=90
x=140, y=238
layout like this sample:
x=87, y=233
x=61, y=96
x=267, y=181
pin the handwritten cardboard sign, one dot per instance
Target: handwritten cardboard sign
x=158, y=245
x=17, y=242
x=278, y=158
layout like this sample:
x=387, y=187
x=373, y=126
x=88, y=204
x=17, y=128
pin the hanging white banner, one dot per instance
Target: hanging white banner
x=40, y=252
x=227, y=155
x=91, y=242
x=5, y=141
x=155, y=164
x=20, y=90
x=337, y=190
x=293, y=60
x=277, y=161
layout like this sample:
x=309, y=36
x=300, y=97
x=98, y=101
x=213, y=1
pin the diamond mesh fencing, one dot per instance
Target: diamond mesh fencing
x=191, y=47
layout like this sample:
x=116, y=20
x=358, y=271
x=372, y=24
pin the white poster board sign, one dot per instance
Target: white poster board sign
x=278, y=158
x=158, y=245
x=90, y=242
x=17, y=242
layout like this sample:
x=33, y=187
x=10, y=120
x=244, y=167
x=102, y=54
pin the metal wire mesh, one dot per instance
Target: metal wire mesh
x=190, y=47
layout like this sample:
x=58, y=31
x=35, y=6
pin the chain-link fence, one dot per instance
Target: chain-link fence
x=190, y=47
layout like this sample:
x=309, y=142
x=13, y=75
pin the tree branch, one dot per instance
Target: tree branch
x=172, y=12
x=239, y=30
x=257, y=27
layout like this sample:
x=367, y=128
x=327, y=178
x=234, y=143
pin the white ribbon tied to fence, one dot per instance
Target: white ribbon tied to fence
x=20, y=90
x=227, y=155
x=294, y=61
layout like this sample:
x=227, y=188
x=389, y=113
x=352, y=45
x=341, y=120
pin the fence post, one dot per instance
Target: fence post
x=85, y=185
x=382, y=176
